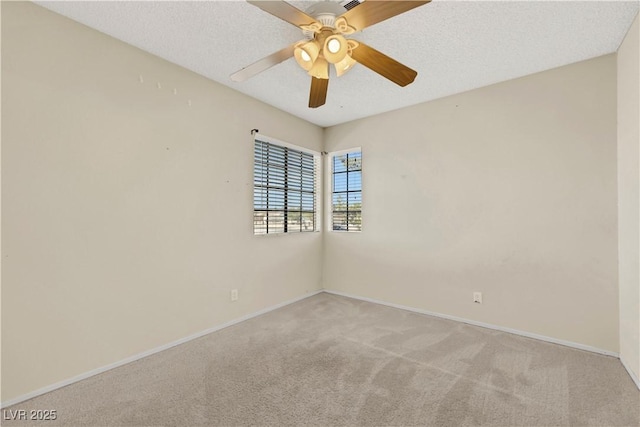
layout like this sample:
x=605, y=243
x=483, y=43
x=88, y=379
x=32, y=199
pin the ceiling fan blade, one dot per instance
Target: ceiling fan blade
x=263, y=64
x=284, y=11
x=371, y=12
x=318, y=93
x=382, y=64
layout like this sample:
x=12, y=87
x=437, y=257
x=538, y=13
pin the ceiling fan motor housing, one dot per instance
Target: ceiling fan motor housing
x=324, y=12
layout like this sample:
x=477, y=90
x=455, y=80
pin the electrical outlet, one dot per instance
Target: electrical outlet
x=234, y=295
x=477, y=297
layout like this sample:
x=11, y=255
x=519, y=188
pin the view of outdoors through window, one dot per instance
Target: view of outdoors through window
x=284, y=199
x=347, y=192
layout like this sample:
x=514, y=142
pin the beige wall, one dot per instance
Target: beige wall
x=509, y=190
x=629, y=197
x=127, y=213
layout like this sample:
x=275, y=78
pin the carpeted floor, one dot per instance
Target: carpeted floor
x=330, y=360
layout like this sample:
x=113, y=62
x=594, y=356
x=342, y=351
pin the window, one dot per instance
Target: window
x=346, y=197
x=284, y=187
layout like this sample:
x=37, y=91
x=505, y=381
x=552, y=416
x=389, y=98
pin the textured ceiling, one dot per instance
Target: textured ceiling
x=454, y=45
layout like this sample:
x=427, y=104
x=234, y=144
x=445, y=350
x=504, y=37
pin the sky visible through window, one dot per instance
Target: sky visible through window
x=346, y=195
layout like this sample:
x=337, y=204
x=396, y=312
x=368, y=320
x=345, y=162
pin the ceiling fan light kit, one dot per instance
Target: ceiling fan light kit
x=335, y=48
x=325, y=25
x=345, y=65
x=306, y=53
x=320, y=69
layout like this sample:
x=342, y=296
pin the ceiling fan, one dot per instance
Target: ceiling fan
x=325, y=25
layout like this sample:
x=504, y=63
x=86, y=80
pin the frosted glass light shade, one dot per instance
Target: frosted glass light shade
x=335, y=48
x=306, y=53
x=320, y=69
x=345, y=65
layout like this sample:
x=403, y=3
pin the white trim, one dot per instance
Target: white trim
x=328, y=191
x=318, y=165
x=346, y=151
x=318, y=169
x=481, y=324
x=138, y=356
x=144, y=354
x=632, y=374
x=265, y=138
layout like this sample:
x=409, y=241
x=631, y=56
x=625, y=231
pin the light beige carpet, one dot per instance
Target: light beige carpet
x=330, y=360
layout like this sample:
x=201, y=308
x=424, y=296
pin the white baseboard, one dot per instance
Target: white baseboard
x=133, y=358
x=632, y=374
x=481, y=324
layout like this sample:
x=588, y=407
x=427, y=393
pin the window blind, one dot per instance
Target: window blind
x=284, y=189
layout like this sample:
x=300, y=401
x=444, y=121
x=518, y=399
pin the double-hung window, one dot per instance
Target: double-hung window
x=346, y=191
x=285, y=182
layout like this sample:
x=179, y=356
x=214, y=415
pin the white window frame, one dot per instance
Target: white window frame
x=328, y=185
x=317, y=161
